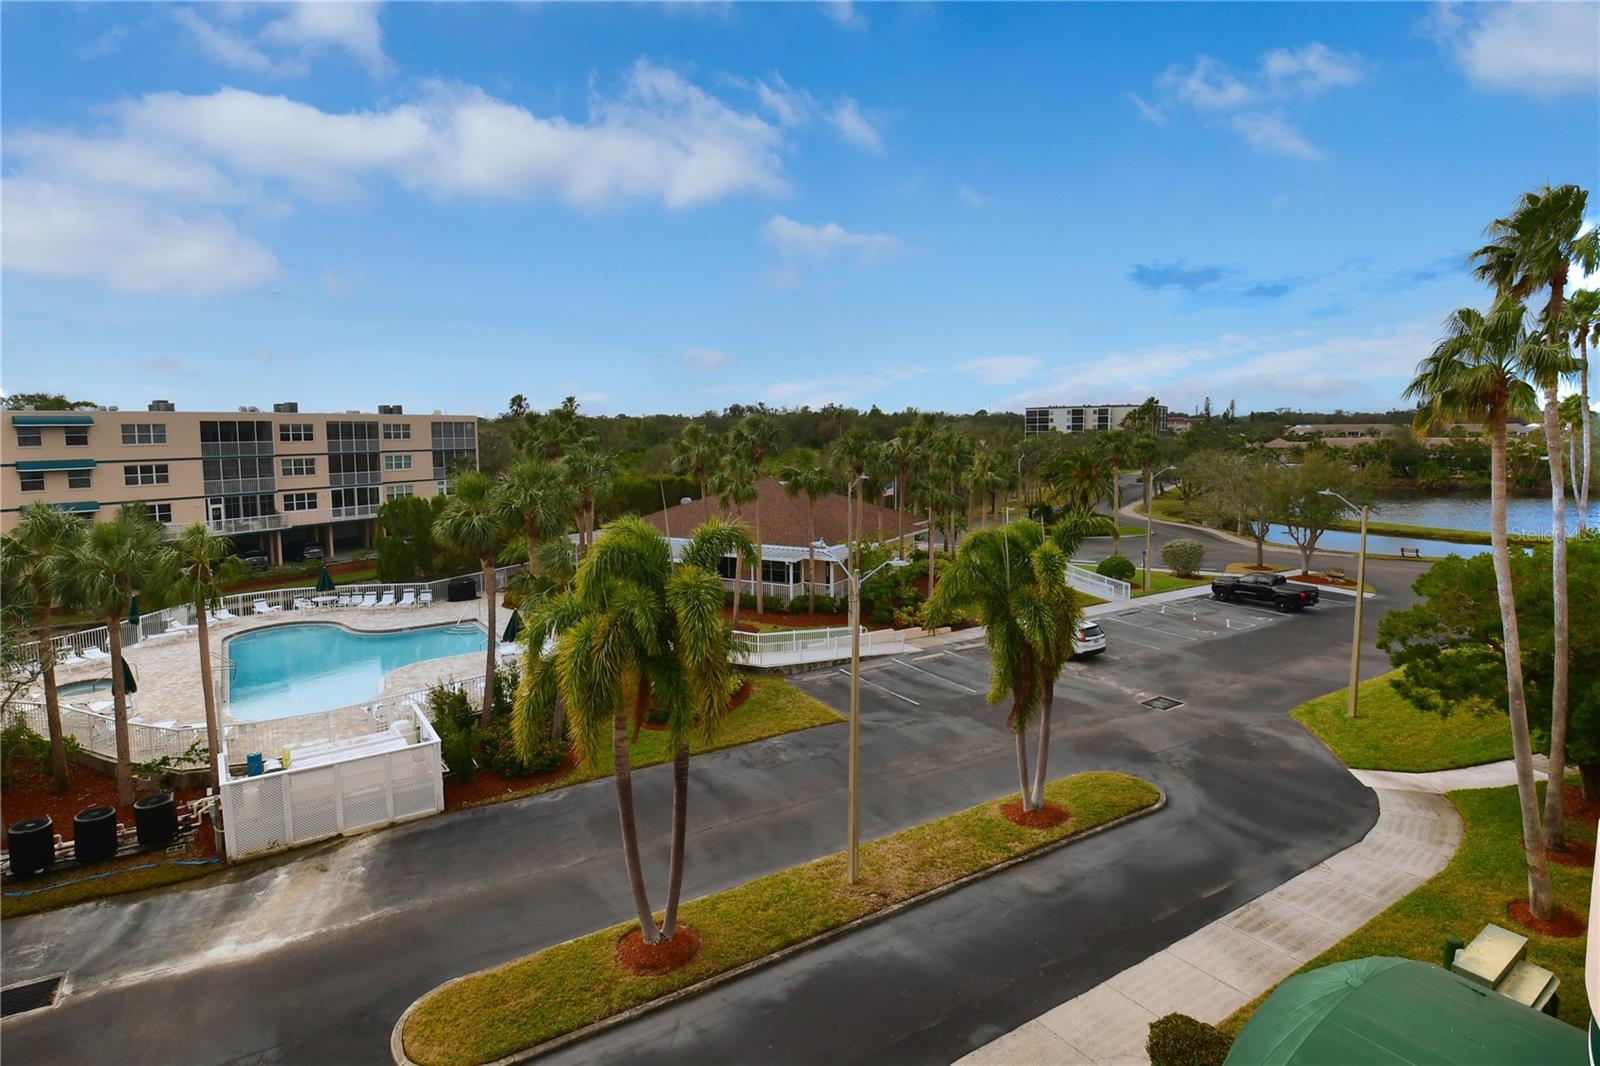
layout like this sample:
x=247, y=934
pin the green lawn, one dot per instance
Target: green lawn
x=1486, y=874
x=66, y=885
x=1391, y=733
x=535, y=999
x=1160, y=581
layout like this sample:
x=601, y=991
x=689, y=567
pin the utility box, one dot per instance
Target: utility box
x=461, y=588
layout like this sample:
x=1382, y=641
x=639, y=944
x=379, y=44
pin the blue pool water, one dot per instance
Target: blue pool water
x=297, y=669
x=76, y=689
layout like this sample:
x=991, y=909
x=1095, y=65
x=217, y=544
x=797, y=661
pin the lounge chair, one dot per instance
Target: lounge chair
x=426, y=598
x=368, y=601
x=263, y=607
x=94, y=654
x=226, y=615
x=509, y=648
x=303, y=604
x=408, y=598
x=388, y=598
x=347, y=599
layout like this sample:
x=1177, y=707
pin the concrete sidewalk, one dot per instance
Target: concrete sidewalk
x=1221, y=967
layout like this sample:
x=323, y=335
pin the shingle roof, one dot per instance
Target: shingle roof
x=784, y=519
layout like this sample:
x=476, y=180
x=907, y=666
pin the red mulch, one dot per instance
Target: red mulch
x=1045, y=817
x=1578, y=853
x=748, y=613
x=653, y=960
x=276, y=582
x=1564, y=924
x=1577, y=808
x=31, y=794
x=1323, y=579
x=486, y=785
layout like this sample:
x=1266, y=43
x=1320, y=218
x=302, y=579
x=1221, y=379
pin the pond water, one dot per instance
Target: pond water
x=1525, y=515
x=1337, y=540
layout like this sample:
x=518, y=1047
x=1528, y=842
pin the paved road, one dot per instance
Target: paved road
x=312, y=959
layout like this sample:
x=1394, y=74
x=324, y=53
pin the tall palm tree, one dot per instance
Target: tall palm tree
x=203, y=562
x=535, y=497
x=900, y=452
x=38, y=556
x=756, y=435
x=1146, y=448
x=735, y=484
x=1533, y=248
x=983, y=475
x=115, y=560
x=554, y=433
x=696, y=453
x=1474, y=375
x=635, y=631
x=1583, y=317
x=592, y=471
x=1082, y=478
x=1114, y=446
x=470, y=523
x=1014, y=579
x=815, y=482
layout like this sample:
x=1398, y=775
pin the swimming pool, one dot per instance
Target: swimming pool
x=75, y=689
x=297, y=669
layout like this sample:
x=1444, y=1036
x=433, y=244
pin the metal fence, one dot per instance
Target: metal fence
x=1085, y=580
x=784, y=647
x=96, y=732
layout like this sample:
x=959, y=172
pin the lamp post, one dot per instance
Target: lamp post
x=1361, y=596
x=855, y=579
x=1149, y=520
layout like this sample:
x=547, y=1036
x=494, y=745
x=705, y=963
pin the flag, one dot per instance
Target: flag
x=889, y=489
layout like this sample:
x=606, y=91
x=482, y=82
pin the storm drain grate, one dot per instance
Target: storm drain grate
x=1162, y=703
x=19, y=999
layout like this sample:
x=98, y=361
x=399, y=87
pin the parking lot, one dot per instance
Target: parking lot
x=1177, y=624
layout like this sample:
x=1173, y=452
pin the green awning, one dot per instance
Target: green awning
x=1397, y=1011
x=52, y=420
x=77, y=507
x=56, y=464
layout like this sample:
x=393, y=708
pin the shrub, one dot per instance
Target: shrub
x=1183, y=556
x=1119, y=567
x=1179, y=1040
x=18, y=741
x=456, y=722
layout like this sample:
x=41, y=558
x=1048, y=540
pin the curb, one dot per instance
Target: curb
x=397, y=1051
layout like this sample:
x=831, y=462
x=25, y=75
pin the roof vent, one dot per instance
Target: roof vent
x=244, y=410
x=285, y=408
x=390, y=409
x=162, y=405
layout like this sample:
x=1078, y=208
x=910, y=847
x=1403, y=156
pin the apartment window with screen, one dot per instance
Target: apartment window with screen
x=395, y=492
x=400, y=461
x=77, y=436
x=159, y=512
x=145, y=474
x=397, y=431
x=144, y=433
x=29, y=437
x=32, y=480
x=296, y=431
x=299, y=468
x=79, y=479
x=299, y=501
x=348, y=503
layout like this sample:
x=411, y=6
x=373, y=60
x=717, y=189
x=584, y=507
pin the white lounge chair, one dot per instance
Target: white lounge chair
x=303, y=604
x=263, y=607
x=368, y=601
x=426, y=598
x=408, y=598
x=509, y=648
x=388, y=598
x=347, y=600
x=94, y=654
x=226, y=615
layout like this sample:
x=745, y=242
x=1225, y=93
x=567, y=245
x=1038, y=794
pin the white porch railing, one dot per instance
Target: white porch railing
x=792, y=646
x=1085, y=580
x=96, y=732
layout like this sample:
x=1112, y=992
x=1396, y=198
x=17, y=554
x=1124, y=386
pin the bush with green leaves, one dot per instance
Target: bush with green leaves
x=1119, y=567
x=1183, y=557
x=466, y=747
x=1179, y=1040
x=456, y=721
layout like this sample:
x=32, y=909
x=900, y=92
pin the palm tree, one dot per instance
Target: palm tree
x=1082, y=478
x=1531, y=249
x=592, y=471
x=756, y=434
x=1146, y=448
x=696, y=453
x=1014, y=579
x=470, y=523
x=983, y=475
x=1583, y=316
x=816, y=482
x=1473, y=375
x=633, y=632
x=554, y=433
x=735, y=484
x=38, y=554
x=535, y=497
x=203, y=563
x=900, y=452
x=1113, y=446
x=114, y=561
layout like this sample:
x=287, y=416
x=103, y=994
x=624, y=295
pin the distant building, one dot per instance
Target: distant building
x=1181, y=423
x=1085, y=419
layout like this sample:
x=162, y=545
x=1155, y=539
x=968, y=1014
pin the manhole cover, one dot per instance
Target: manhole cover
x=1162, y=703
x=19, y=999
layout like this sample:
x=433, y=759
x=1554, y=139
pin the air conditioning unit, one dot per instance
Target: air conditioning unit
x=249, y=410
x=162, y=405
x=390, y=409
x=286, y=408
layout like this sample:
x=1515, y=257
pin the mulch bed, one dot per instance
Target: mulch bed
x=1577, y=853
x=31, y=794
x=1047, y=816
x=803, y=620
x=1323, y=579
x=487, y=785
x=1576, y=807
x=1564, y=924
x=653, y=960
x=277, y=582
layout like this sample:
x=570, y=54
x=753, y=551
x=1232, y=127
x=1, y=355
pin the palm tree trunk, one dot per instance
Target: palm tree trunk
x=811, y=551
x=899, y=514
x=119, y=704
x=1116, y=512
x=1553, y=839
x=1047, y=698
x=1541, y=899
x=1021, y=737
x=213, y=734
x=52, y=703
x=622, y=777
x=761, y=575
x=680, y=828
x=557, y=720
x=932, y=551
x=491, y=644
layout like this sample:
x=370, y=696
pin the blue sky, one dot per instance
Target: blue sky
x=674, y=208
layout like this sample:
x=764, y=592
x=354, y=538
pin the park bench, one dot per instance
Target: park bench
x=1410, y=553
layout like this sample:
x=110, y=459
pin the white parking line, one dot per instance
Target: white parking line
x=930, y=673
x=880, y=688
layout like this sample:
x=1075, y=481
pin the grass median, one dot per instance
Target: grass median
x=1390, y=732
x=536, y=999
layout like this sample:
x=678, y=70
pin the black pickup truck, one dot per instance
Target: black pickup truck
x=1264, y=588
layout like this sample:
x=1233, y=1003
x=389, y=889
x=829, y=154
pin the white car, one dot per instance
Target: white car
x=1089, y=640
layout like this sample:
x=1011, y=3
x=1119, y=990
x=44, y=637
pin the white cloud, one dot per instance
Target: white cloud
x=106, y=44
x=796, y=240
x=854, y=127
x=283, y=46
x=840, y=389
x=791, y=107
x=1272, y=134
x=234, y=49
x=1309, y=71
x=794, y=108
x=1207, y=86
x=350, y=26
x=845, y=14
x=1002, y=369
x=62, y=232
x=1539, y=48
x=701, y=360
x=973, y=196
x=1151, y=112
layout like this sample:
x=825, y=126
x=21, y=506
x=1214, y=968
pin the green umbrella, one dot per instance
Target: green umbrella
x=325, y=580
x=513, y=627
x=128, y=684
x=133, y=610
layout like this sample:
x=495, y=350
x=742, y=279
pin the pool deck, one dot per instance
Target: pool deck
x=168, y=668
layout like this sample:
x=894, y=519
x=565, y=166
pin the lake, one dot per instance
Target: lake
x=1527, y=516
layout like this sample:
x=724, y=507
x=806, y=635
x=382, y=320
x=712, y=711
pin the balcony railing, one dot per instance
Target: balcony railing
x=248, y=524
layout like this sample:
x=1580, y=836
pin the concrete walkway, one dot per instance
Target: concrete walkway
x=1217, y=969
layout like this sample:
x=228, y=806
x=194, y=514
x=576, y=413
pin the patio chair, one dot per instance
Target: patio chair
x=388, y=598
x=263, y=607
x=303, y=604
x=94, y=654
x=368, y=601
x=226, y=615
x=408, y=598
x=347, y=599
x=426, y=598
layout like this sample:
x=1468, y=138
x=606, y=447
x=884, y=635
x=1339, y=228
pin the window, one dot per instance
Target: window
x=777, y=573
x=296, y=431
x=299, y=468
x=32, y=480
x=79, y=479
x=144, y=433
x=29, y=437
x=353, y=503
x=77, y=436
x=397, y=461
x=397, y=431
x=395, y=492
x=145, y=474
x=352, y=436
x=159, y=512
x=299, y=501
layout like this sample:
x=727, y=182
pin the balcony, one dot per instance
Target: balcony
x=251, y=524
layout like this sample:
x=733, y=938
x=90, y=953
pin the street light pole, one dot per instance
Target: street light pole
x=1361, y=596
x=1149, y=520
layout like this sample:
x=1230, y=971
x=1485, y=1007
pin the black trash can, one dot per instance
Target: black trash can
x=94, y=834
x=33, y=846
x=461, y=588
x=155, y=817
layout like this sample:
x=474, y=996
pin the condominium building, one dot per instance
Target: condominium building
x=275, y=482
x=1084, y=419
